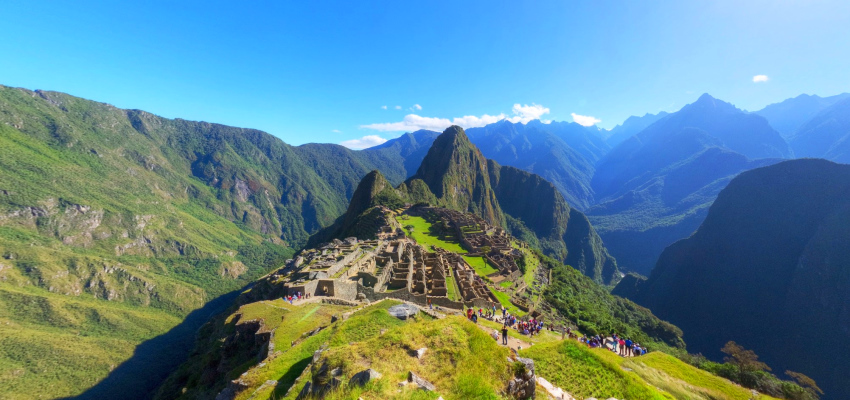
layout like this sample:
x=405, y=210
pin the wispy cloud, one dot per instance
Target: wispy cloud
x=413, y=122
x=336, y=131
x=363, y=143
x=384, y=107
x=760, y=78
x=398, y=107
x=416, y=107
x=585, y=120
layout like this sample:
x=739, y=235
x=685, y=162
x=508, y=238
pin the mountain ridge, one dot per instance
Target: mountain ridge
x=777, y=253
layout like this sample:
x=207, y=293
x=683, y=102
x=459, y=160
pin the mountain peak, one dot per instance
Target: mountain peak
x=456, y=172
x=705, y=98
x=707, y=102
x=455, y=133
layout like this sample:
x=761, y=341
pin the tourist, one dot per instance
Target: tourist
x=622, y=345
x=505, y=335
x=629, y=344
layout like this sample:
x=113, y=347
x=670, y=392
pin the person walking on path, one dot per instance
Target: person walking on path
x=505, y=335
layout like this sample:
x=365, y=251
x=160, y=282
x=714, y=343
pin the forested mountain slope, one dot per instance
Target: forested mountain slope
x=139, y=220
x=770, y=269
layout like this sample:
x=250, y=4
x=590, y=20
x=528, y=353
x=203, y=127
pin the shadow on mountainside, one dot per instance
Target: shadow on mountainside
x=154, y=360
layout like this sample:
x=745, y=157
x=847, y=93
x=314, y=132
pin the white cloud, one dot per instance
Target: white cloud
x=384, y=107
x=412, y=122
x=585, y=120
x=336, y=131
x=760, y=78
x=526, y=113
x=363, y=143
x=416, y=107
x=398, y=107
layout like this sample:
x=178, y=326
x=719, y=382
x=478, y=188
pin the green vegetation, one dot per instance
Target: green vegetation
x=744, y=367
x=586, y=372
x=595, y=311
x=480, y=265
x=60, y=344
x=462, y=361
x=583, y=373
x=505, y=301
x=422, y=233
x=451, y=287
x=668, y=373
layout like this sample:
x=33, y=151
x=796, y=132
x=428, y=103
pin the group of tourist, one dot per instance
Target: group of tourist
x=295, y=297
x=624, y=347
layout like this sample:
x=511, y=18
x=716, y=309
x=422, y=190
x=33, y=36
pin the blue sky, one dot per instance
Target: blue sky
x=323, y=71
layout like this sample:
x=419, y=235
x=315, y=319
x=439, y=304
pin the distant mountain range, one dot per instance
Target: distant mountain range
x=768, y=268
x=655, y=187
x=789, y=115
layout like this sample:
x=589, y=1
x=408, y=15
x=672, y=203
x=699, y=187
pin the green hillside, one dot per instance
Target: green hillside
x=121, y=207
x=768, y=269
x=461, y=360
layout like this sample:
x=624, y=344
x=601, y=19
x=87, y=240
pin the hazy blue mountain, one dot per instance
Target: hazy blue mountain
x=533, y=149
x=399, y=158
x=631, y=126
x=655, y=187
x=826, y=135
x=768, y=268
x=789, y=115
x=586, y=140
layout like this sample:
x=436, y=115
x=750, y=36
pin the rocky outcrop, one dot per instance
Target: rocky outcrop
x=524, y=383
x=420, y=382
x=363, y=377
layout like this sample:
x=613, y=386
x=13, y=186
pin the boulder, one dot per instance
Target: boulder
x=420, y=382
x=403, y=311
x=363, y=377
x=421, y=352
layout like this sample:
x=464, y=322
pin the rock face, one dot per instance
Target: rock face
x=524, y=383
x=769, y=268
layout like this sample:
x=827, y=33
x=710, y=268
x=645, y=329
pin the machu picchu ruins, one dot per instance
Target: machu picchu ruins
x=394, y=266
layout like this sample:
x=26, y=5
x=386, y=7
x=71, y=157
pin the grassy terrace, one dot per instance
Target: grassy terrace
x=600, y=373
